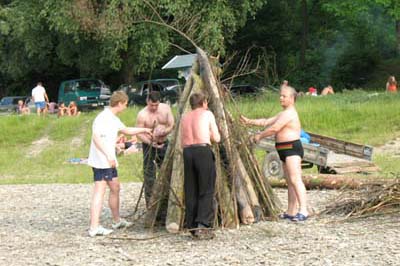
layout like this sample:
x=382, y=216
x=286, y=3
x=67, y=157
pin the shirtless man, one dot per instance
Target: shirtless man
x=157, y=116
x=327, y=90
x=286, y=128
x=198, y=130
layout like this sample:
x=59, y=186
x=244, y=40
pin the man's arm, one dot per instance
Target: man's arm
x=99, y=145
x=46, y=97
x=214, y=133
x=140, y=122
x=136, y=130
x=170, y=120
x=281, y=120
x=262, y=122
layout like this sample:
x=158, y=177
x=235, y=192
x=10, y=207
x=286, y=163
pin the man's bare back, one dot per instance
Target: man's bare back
x=198, y=127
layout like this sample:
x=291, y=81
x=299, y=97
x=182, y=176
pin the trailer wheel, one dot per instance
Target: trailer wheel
x=325, y=170
x=272, y=165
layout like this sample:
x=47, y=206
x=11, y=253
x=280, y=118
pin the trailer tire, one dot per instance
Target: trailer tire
x=272, y=166
x=325, y=170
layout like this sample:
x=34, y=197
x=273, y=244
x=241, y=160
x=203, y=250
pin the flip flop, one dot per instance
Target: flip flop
x=286, y=216
x=299, y=217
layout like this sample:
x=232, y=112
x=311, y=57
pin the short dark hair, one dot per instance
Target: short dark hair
x=196, y=100
x=154, y=96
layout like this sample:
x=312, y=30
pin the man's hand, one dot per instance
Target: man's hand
x=255, y=138
x=244, y=120
x=112, y=162
x=148, y=132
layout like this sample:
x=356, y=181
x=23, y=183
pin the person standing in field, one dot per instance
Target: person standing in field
x=198, y=130
x=391, y=84
x=39, y=97
x=157, y=117
x=286, y=128
x=102, y=159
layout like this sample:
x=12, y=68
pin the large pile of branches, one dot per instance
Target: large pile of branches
x=242, y=194
x=371, y=199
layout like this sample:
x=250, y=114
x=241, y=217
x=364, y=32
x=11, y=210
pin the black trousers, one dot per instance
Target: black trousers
x=152, y=158
x=200, y=174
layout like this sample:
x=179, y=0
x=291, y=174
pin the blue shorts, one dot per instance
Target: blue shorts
x=104, y=174
x=40, y=105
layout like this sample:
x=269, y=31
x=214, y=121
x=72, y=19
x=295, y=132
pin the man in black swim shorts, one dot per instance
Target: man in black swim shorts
x=289, y=148
x=286, y=127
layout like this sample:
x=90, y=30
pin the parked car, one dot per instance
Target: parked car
x=169, y=90
x=9, y=104
x=87, y=93
x=244, y=90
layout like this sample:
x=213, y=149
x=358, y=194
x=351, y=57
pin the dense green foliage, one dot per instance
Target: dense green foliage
x=36, y=149
x=348, y=44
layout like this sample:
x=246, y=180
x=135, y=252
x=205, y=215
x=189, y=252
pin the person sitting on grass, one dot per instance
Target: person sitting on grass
x=73, y=109
x=22, y=109
x=62, y=109
x=125, y=146
x=391, y=85
x=327, y=90
x=103, y=160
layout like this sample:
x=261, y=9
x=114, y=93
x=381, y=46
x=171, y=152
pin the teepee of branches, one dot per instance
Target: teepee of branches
x=242, y=194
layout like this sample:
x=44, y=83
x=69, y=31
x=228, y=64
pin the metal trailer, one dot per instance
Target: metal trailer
x=330, y=155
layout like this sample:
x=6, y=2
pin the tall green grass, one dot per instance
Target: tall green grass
x=356, y=116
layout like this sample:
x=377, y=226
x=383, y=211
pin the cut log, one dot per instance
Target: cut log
x=325, y=182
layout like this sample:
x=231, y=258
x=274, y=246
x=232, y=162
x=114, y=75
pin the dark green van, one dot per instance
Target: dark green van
x=87, y=93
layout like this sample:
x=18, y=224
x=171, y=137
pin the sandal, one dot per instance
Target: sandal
x=286, y=216
x=299, y=217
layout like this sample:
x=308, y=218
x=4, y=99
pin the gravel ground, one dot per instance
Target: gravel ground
x=47, y=225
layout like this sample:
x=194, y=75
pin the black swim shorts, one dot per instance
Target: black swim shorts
x=290, y=148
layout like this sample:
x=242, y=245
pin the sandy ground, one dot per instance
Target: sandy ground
x=47, y=225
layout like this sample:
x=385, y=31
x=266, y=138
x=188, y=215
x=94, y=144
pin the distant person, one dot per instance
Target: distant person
x=312, y=91
x=126, y=146
x=391, y=84
x=286, y=128
x=52, y=107
x=73, y=109
x=198, y=131
x=327, y=90
x=62, y=110
x=22, y=109
x=159, y=118
x=39, y=97
x=102, y=159
x=285, y=83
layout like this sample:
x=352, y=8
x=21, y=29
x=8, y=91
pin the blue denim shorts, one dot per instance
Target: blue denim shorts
x=40, y=105
x=104, y=174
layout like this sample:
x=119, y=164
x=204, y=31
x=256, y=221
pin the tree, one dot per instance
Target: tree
x=351, y=11
x=101, y=37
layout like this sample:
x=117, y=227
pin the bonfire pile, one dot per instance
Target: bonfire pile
x=371, y=199
x=242, y=193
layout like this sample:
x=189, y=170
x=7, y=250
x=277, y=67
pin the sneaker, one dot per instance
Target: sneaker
x=122, y=223
x=99, y=231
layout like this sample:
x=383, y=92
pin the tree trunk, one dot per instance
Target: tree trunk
x=325, y=182
x=304, y=36
x=398, y=36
